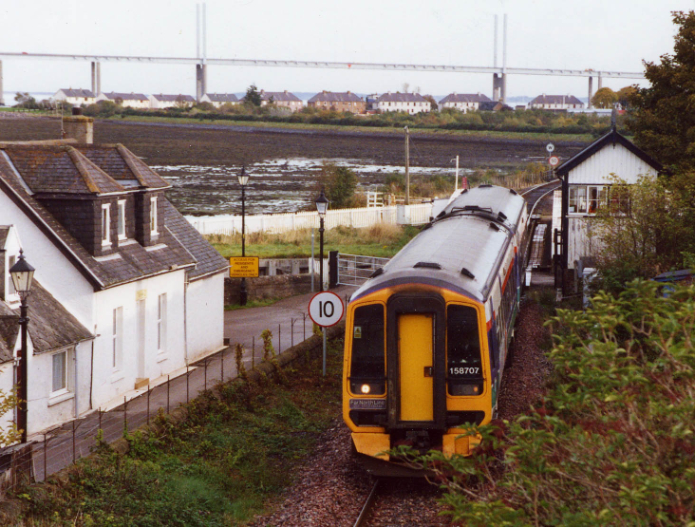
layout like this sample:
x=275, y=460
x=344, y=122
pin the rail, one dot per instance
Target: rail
x=368, y=506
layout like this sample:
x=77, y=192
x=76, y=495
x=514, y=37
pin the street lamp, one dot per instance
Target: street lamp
x=22, y=274
x=243, y=181
x=321, y=207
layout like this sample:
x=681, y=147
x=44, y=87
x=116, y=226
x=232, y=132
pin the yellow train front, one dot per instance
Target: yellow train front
x=427, y=336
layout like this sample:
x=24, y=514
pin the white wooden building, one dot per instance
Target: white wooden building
x=127, y=100
x=126, y=290
x=403, y=102
x=555, y=102
x=587, y=180
x=75, y=97
x=464, y=102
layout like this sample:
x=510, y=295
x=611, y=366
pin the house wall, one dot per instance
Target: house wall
x=614, y=159
x=205, y=316
x=135, y=363
x=462, y=106
x=6, y=383
x=408, y=107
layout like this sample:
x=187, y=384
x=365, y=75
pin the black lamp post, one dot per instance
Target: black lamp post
x=243, y=181
x=22, y=274
x=321, y=207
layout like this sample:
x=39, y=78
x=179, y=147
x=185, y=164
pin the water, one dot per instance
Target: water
x=277, y=185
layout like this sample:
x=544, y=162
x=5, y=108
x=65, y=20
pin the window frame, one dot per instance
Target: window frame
x=65, y=388
x=117, y=339
x=162, y=323
x=122, y=227
x=106, y=224
x=154, y=224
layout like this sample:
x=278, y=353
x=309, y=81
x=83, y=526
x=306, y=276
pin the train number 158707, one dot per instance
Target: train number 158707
x=464, y=370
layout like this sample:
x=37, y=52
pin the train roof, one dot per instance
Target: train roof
x=461, y=249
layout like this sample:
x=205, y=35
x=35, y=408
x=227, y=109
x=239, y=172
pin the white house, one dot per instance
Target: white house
x=126, y=290
x=75, y=97
x=283, y=99
x=218, y=99
x=128, y=100
x=159, y=101
x=464, y=102
x=555, y=102
x=403, y=102
x=588, y=184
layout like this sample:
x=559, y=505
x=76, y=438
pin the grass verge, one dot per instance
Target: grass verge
x=225, y=462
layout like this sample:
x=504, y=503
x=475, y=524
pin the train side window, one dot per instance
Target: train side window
x=463, y=343
x=368, y=363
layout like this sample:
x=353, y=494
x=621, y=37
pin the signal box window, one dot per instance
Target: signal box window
x=464, y=365
x=367, y=368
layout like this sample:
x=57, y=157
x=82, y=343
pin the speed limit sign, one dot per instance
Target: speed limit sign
x=326, y=309
x=553, y=161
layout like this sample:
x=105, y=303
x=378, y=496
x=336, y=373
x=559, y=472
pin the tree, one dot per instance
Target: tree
x=253, y=96
x=626, y=94
x=434, y=104
x=339, y=184
x=604, y=98
x=8, y=402
x=663, y=116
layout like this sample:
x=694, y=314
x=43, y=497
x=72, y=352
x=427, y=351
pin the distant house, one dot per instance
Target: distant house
x=127, y=100
x=463, y=102
x=587, y=185
x=372, y=102
x=218, y=99
x=283, y=99
x=339, y=102
x=75, y=97
x=555, y=102
x=126, y=289
x=171, y=101
x=403, y=102
x=494, y=106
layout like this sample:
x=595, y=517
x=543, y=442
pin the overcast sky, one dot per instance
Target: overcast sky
x=597, y=34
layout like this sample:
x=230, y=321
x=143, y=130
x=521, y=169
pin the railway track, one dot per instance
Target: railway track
x=368, y=506
x=535, y=195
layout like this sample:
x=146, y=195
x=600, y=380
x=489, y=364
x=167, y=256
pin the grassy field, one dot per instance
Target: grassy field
x=222, y=465
x=363, y=129
x=379, y=240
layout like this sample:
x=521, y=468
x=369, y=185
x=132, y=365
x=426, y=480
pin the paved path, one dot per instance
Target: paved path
x=287, y=319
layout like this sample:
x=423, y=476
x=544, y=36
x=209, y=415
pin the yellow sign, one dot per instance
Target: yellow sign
x=243, y=266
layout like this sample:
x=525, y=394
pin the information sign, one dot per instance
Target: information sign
x=326, y=309
x=550, y=147
x=243, y=266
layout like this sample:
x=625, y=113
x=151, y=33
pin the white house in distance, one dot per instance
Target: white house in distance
x=127, y=100
x=159, y=101
x=75, y=97
x=403, y=102
x=464, y=102
x=218, y=99
x=282, y=99
x=587, y=184
x=555, y=102
x=127, y=291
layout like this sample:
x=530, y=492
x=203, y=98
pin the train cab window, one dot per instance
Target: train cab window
x=464, y=364
x=368, y=364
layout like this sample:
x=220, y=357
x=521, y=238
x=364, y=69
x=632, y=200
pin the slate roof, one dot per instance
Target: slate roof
x=328, y=96
x=556, y=99
x=69, y=92
x=51, y=326
x=279, y=96
x=63, y=169
x=465, y=97
x=173, y=98
x=125, y=96
x=129, y=261
x=123, y=166
x=222, y=97
x=402, y=97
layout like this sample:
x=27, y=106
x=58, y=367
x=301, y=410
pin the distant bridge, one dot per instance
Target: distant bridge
x=499, y=73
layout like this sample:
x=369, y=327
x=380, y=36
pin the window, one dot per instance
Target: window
x=464, y=364
x=117, y=338
x=153, y=215
x=121, y=220
x=106, y=224
x=597, y=197
x=162, y=323
x=368, y=364
x=10, y=283
x=577, y=201
x=60, y=373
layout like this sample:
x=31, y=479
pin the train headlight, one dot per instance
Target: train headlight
x=365, y=388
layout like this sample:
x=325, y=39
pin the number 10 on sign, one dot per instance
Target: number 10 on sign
x=326, y=309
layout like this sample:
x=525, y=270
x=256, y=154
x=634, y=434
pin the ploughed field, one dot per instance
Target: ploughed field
x=202, y=160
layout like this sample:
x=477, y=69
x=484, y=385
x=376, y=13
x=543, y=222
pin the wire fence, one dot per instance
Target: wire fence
x=62, y=446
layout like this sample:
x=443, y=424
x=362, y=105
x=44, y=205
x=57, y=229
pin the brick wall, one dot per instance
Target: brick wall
x=265, y=287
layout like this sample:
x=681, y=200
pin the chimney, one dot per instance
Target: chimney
x=79, y=127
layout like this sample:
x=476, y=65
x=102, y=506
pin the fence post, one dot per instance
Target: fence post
x=125, y=415
x=291, y=333
x=253, y=352
x=222, y=367
x=100, y=414
x=167, y=394
x=304, y=324
x=74, y=453
x=186, y=383
x=279, y=340
x=148, y=404
x=205, y=384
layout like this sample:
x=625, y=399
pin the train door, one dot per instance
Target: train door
x=416, y=395
x=416, y=361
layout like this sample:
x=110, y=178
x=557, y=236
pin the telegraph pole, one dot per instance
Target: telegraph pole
x=407, y=166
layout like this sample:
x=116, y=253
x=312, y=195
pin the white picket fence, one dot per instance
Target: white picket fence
x=276, y=223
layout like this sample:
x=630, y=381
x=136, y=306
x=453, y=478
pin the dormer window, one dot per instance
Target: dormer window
x=121, y=220
x=153, y=216
x=106, y=225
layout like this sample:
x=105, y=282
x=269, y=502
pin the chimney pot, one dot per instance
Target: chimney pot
x=79, y=127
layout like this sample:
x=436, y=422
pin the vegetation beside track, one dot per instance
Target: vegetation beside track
x=222, y=464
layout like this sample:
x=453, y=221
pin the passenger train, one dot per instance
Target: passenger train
x=427, y=335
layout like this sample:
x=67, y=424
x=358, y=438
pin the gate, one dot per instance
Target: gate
x=354, y=269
